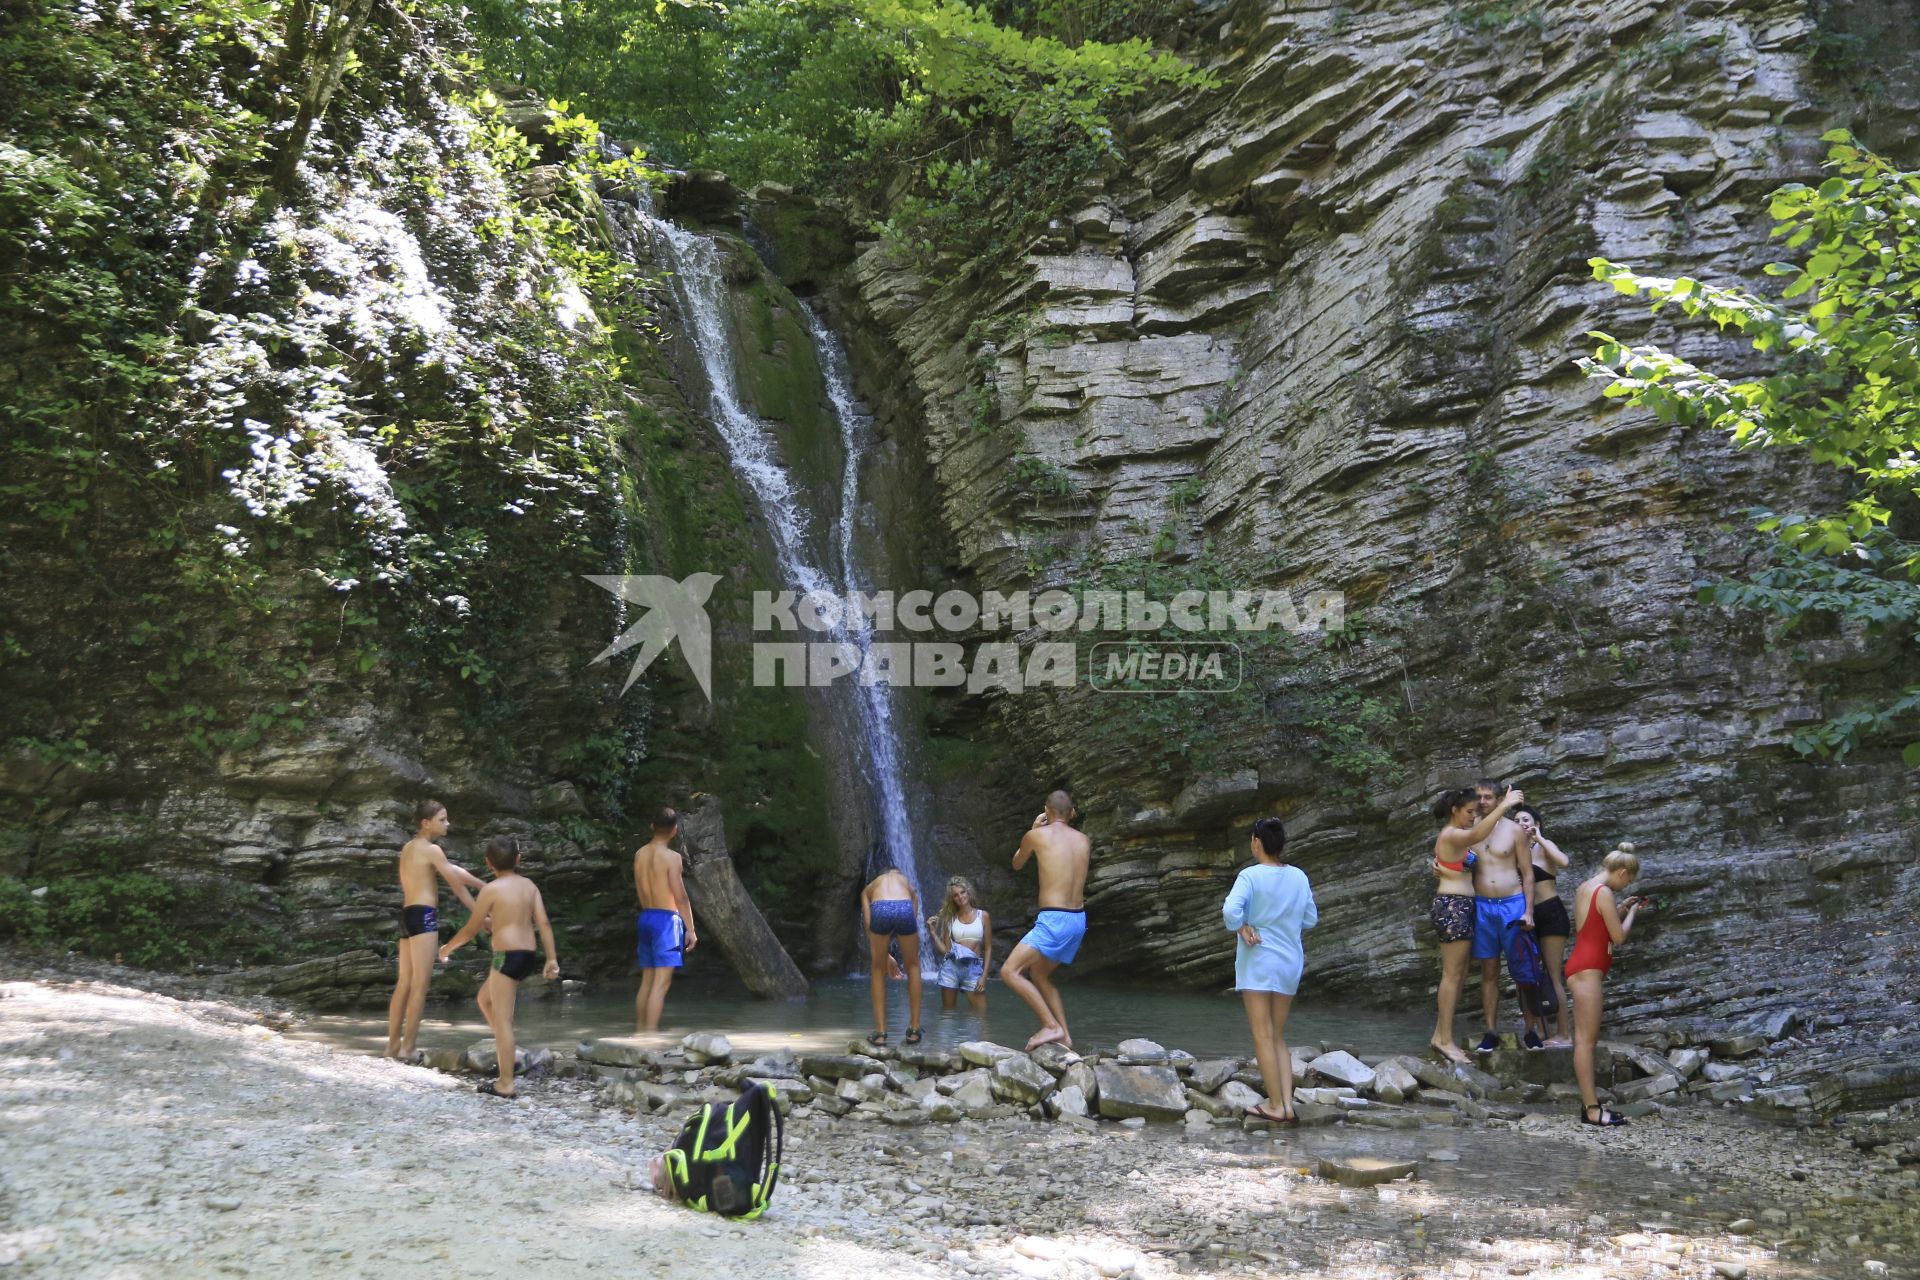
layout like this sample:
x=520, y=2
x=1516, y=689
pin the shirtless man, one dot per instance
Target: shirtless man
x=1454, y=910
x=420, y=861
x=514, y=905
x=1503, y=891
x=665, y=926
x=1054, y=940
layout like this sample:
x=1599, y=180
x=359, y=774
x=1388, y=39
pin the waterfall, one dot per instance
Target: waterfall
x=701, y=285
x=876, y=700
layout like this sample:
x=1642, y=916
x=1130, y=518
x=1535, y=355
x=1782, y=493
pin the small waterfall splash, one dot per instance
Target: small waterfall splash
x=701, y=284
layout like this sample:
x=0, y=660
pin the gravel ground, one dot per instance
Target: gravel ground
x=146, y=1136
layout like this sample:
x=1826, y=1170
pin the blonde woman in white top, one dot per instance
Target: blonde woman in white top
x=962, y=936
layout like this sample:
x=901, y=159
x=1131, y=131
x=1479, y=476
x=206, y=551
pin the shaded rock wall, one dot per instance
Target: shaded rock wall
x=1319, y=332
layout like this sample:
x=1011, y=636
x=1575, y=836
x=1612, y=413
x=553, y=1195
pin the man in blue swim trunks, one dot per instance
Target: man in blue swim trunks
x=665, y=926
x=1054, y=940
x=1503, y=900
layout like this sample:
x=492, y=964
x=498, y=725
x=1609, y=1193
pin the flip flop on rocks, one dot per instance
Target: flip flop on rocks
x=492, y=1092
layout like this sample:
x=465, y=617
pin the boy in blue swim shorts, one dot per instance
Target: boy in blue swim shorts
x=1062, y=855
x=664, y=929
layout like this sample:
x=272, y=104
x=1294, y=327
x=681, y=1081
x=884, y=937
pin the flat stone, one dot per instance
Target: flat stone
x=840, y=1066
x=1737, y=1046
x=617, y=1051
x=1021, y=1079
x=1343, y=1068
x=1238, y=1096
x=1128, y=1092
x=1207, y=1106
x=1687, y=1063
x=1054, y=1058
x=704, y=1047
x=984, y=1053
x=1365, y=1171
x=1392, y=1082
x=1080, y=1076
x=1067, y=1101
x=1210, y=1075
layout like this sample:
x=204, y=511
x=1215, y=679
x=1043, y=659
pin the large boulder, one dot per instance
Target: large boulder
x=1152, y=1093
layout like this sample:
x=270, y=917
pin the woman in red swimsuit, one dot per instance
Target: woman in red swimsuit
x=1598, y=926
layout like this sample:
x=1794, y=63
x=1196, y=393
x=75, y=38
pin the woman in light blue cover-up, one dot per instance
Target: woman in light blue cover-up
x=1270, y=906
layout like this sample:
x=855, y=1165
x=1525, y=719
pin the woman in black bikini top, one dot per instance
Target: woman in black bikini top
x=1551, y=928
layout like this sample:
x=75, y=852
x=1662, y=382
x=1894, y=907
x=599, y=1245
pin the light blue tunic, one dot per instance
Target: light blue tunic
x=1278, y=903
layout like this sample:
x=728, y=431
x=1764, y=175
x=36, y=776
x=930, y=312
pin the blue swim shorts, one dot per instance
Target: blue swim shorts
x=1495, y=921
x=1056, y=934
x=663, y=939
x=892, y=918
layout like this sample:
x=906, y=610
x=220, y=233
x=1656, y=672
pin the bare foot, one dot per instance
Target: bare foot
x=1045, y=1035
x=1450, y=1051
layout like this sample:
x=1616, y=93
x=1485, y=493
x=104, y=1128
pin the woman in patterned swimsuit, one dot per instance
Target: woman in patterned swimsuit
x=1453, y=903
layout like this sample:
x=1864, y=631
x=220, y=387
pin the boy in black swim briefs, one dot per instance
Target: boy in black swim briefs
x=517, y=912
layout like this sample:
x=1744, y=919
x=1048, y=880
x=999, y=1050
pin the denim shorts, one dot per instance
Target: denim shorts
x=961, y=975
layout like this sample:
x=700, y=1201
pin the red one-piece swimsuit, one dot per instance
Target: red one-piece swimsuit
x=1593, y=948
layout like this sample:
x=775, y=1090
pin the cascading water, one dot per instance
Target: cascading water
x=701, y=285
x=876, y=700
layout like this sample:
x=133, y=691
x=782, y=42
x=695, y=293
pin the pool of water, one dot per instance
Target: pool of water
x=1100, y=1015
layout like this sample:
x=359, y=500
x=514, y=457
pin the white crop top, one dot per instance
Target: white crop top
x=970, y=935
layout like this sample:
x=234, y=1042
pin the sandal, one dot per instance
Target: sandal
x=1259, y=1112
x=1604, y=1118
x=912, y=1036
x=878, y=1039
x=492, y=1092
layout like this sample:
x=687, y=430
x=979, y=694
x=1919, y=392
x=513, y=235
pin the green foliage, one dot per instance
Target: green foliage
x=134, y=918
x=360, y=425
x=1843, y=392
x=1350, y=733
x=955, y=127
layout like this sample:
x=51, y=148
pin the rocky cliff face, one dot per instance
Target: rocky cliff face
x=1319, y=332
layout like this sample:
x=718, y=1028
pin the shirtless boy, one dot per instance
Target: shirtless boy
x=513, y=903
x=420, y=861
x=665, y=926
x=1503, y=892
x=1054, y=940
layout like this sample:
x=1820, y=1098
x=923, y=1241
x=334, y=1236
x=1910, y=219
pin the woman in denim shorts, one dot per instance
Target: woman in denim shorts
x=963, y=938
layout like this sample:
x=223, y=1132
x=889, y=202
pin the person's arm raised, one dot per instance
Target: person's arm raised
x=479, y=908
x=1484, y=828
x=1024, y=854
x=1555, y=859
x=458, y=878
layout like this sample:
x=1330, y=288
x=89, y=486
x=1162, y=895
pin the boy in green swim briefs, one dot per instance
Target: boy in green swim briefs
x=517, y=912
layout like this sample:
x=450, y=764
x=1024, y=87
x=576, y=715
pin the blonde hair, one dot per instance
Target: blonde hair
x=944, y=920
x=1623, y=858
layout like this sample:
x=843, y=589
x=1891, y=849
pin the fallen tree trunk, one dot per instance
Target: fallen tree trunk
x=725, y=913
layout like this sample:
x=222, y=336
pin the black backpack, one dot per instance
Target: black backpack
x=727, y=1158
